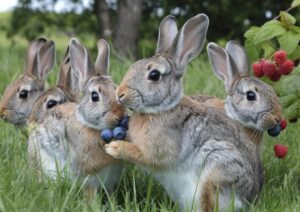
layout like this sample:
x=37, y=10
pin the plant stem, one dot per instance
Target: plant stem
x=278, y=16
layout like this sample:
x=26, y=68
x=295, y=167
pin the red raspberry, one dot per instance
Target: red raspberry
x=283, y=124
x=258, y=69
x=287, y=67
x=280, y=150
x=269, y=68
x=280, y=57
x=276, y=76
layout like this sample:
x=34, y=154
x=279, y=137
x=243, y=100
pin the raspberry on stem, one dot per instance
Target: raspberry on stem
x=286, y=67
x=280, y=57
x=258, y=69
x=269, y=68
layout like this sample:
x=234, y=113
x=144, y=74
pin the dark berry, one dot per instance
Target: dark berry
x=275, y=131
x=107, y=135
x=119, y=133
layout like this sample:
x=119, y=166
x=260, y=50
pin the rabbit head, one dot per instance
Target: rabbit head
x=155, y=84
x=66, y=90
x=19, y=97
x=250, y=101
x=97, y=108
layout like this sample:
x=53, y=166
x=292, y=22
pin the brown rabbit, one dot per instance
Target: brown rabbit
x=243, y=111
x=68, y=138
x=250, y=101
x=66, y=90
x=197, y=153
x=21, y=94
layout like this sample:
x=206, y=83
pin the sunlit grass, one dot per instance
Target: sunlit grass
x=21, y=190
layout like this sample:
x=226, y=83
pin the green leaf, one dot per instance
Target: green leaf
x=289, y=41
x=295, y=29
x=292, y=111
x=295, y=54
x=268, y=49
x=251, y=32
x=295, y=3
x=287, y=19
x=288, y=85
x=288, y=100
x=251, y=48
x=269, y=30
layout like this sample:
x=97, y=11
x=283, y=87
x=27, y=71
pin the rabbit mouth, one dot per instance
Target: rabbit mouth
x=17, y=119
x=275, y=131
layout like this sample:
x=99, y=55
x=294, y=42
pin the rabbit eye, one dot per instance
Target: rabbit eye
x=95, y=96
x=251, y=96
x=23, y=94
x=154, y=75
x=51, y=104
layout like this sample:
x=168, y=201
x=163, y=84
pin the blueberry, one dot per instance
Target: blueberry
x=119, y=133
x=124, y=122
x=107, y=135
x=275, y=131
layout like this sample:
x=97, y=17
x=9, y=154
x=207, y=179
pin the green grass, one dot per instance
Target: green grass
x=20, y=189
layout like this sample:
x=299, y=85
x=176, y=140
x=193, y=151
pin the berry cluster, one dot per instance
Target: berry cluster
x=118, y=133
x=273, y=69
x=279, y=149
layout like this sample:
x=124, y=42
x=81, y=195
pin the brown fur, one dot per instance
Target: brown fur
x=88, y=143
x=212, y=101
x=208, y=196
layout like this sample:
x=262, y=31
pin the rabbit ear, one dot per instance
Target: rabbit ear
x=102, y=61
x=189, y=41
x=32, y=50
x=44, y=60
x=64, y=69
x=221, y=64
x=239, y=57
x=167, y=32
x=81, y=62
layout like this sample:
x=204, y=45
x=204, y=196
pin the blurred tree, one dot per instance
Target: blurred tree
x=120, y=19
x=101, y=11
x=127, y=26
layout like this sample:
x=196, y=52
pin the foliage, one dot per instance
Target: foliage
x=279, y=33
x=31, y=23
x=228, y=20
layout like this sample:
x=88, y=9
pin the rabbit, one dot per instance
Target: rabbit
x=19, y=97
x=242, y=110
x=68, y=138
x=250, y=101
x=66, y=90
x=199, y=155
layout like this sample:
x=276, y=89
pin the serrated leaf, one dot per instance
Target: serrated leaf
x=288, y=85
x=251, y=48
x=252, y=51
x=269, y=30
x=288, y=100
x=295, y=3
x=287, y=19
x=292, y=111
x=295, y=29
x=295, y=54
x=289, y=41
x=250, y=33
x=268, y=49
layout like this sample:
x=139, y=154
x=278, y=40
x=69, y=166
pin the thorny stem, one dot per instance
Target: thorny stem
x=287, y=10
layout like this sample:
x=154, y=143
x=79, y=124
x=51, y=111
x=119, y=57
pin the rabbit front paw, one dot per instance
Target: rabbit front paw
x=115, y=149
